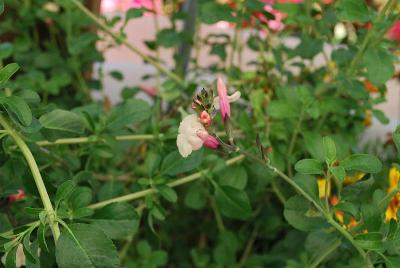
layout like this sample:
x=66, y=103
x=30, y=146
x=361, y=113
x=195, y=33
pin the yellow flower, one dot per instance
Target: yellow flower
x=351, y=179
x=321, y=187
x=394, y=204
x=368, y=118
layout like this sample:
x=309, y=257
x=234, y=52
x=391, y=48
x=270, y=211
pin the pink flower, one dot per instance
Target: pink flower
x=192, y=136
x=151, y=91
x=222, y=102
x=205, y=118
x=394, y=31
x=208, y=140
x=19, y=196
x=224, y=105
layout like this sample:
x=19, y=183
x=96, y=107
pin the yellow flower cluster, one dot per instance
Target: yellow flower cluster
x=391, y=211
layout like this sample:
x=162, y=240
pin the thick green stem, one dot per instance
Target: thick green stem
x=122, y=40
x=36, y=175
x=326, y=214
x=140, y=194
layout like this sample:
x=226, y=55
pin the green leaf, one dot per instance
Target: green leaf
x=362, y=162
x=85, y=246
x=168, y=38
x=300, y=215
x=379, y=64
x=314, y=145
x=29, y=254
x=17, y=109
x=168, y=193
x=281, y=109
x=232, y=202
x=371, y=215
x=338, y=172
x=65, y=190
x=174, y=163
x=62, y=120
x=41, y=236
x=131, y=112
x=196, y=197
x=381, y=116
x=6, y=49
x=396, y=140
x=7, y=71
x=352, y=10
x=134, y=13
x=117, y=75
x=1, y=6
x=117, y=220
x=329, y=149
x=80, y=197
x=369, y=241
x=309, y=166
x=235, y=176
x=392, y=261
x=211, y=12
x=11, y=258
x=308, y=48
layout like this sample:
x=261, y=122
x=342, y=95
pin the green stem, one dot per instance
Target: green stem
x=94, y=139
x=325, y=254
x=122, y=40
x=218, y=218
x=367, y=39
x=293, y=142
x=36, y=175
x=327, y=216
x=249, y=247
x=140, y=194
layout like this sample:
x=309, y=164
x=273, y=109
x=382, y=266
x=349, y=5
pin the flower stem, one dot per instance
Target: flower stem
x=325, y=254
x=36, y=175
x=94, y=139
x=122, y=40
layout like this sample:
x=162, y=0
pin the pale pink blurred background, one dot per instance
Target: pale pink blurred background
x=141, y=29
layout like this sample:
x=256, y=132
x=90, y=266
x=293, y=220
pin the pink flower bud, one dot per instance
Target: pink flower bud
x=19, y=196
x=224, y=106
x=394, y=31
x=208, y=140
x=205, y=118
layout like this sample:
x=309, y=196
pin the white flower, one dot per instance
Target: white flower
x=340, y=31
x=19, y=258
x=188, y=140
x=51, y=7
x=232, y=98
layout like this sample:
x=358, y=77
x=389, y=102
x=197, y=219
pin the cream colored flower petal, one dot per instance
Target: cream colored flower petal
x=184, y=147
x=196, y=142
x=232, y=98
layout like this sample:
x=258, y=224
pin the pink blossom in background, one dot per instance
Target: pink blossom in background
x=108, y=6
x=224, y=105
x=151, y=91
x=394, y=31
x=154, y=6
x=19, y=196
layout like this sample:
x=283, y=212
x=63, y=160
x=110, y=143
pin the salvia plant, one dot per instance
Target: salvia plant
x=235, y=162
